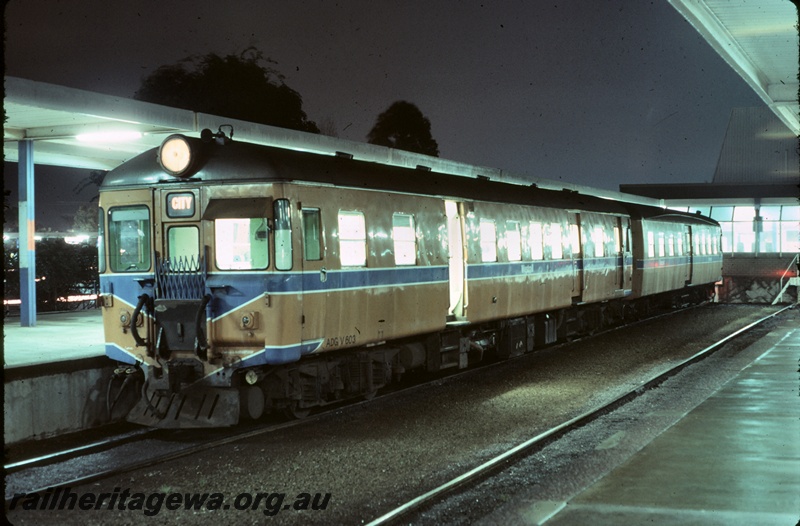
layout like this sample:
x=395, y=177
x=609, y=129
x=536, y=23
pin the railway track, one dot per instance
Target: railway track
x=405, y=512
x=58, y=461
x=72, y=452
x=25, y=475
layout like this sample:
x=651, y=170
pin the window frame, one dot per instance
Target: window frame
x=239, y=268
x=398, y=244
x=488, y=240
x=352, y=240
x=306, y=213
x=113, y=239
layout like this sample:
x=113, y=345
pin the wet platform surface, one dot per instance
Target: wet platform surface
x=732, y=460
x=57, y=337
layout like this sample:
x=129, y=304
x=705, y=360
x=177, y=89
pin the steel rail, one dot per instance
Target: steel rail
x=528, y=446
x=66, y=454
x=158, y=459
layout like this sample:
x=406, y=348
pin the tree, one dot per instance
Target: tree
x=236, y=86
x=403, y=126
x=86, y=219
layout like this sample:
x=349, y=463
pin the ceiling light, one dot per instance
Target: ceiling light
x=109, y=136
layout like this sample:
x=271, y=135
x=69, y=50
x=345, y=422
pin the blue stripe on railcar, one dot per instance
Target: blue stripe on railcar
x=233, y=289
x=674, y=261
x=493, y=270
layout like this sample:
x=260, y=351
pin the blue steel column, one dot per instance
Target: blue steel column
x=27, y=229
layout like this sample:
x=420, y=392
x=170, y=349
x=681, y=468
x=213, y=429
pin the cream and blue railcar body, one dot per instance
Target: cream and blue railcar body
x=238, y=277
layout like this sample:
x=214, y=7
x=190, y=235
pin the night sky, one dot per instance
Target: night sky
x=599, y=93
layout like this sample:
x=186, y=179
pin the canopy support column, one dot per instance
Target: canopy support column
x=27, y=231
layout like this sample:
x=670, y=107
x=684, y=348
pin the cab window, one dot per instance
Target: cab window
x=183, y=243
x=101, y=241
x=129, y=239
x=241, y=243
x=283, y=235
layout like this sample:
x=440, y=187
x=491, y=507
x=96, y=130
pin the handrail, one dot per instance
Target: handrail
x=789, y=267
x=779, y=297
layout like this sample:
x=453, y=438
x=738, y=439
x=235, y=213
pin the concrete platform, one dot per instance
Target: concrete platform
x=733, y=460
x=57, y=337
x=55, y=376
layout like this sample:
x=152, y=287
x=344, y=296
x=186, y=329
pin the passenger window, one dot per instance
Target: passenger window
x=598, y=237
x=183, y=243
x=651, y=245
x=554, y=241
x=312, y=234
x=352, y=239
x=129, y=239
x=488, y=235
x=661, y=251
x=283, y=234
x=513, y=241
x=574, y=240
x=671, y=245
x=241, y=243
x=536, y=241
x=405, y=239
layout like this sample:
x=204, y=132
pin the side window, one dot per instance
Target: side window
x=536, y=241
x=599, y=239
x=555, y=241
x=671, y=245
x=651, y=244
x=283, y=234
x=513, y=241
x=101, y=241
x=405, y=239
x=661, y=245
x=183, y=243
x=241, y=243
x=129, y=239
x=488, y=240
x=312, y=234
x=352, y=239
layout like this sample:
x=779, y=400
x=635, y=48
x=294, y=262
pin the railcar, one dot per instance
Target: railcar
x=238, y=279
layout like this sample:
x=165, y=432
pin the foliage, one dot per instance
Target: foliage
x=86, y=219
x=62, y=270
x=403, y=126
x=239, y=87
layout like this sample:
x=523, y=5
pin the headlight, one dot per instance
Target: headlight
x=176, y=155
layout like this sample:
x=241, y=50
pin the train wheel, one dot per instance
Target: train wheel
x=252, y=403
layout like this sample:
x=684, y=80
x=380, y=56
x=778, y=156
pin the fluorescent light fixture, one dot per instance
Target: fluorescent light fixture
x=109, y=136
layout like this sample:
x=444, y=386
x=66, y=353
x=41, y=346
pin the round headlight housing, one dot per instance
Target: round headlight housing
x=176, y=155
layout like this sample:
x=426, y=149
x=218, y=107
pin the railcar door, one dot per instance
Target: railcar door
x=315, y=275
x=688, y=242
x=576, y=242
x=622, y=235
x=180, y=271
x=457, y=260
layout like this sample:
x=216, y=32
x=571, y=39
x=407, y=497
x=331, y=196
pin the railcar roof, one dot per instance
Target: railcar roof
x=243, y=163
